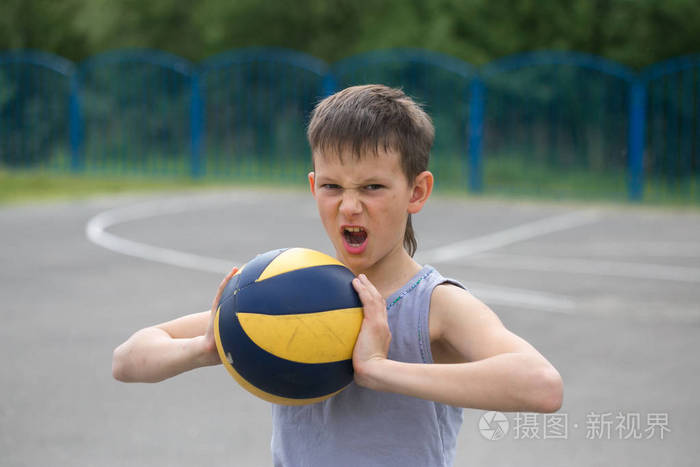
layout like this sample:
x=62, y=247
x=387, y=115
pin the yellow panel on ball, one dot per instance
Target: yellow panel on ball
x=326, y=336
x=296, y=258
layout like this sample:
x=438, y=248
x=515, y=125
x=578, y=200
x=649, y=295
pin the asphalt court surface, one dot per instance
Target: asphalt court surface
x=610, y=295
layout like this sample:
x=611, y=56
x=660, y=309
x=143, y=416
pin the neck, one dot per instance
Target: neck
x=392, y=272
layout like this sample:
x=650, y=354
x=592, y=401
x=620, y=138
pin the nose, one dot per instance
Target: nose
x=350, y=204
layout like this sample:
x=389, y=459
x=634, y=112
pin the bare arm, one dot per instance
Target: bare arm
x=153, y=354
x=499, y=370
x=159, y=352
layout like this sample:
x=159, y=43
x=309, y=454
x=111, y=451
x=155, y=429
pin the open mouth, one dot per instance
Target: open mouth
x=354, y=236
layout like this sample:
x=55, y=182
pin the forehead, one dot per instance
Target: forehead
x=385, y=161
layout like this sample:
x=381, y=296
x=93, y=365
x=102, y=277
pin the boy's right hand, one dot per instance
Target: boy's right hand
x=209, y=341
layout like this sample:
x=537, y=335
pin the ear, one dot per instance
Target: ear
x=312, y=182
x=422, y=187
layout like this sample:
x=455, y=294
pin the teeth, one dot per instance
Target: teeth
x=353, y=229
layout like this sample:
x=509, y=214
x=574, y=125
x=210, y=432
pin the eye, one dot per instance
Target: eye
x=373, y=187
x=330, y=186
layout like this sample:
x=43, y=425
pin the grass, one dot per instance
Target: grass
x=23, y=187
x=517, y=176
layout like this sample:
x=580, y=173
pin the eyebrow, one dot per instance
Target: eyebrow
x=367, y=181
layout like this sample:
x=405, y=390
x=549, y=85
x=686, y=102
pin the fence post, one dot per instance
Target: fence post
x=329, y=85
x=476, y=133
x=75, y=125
x=635, y=140
x=196, y=126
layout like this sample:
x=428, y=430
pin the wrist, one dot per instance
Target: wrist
x=205, y=351
x=369, y=373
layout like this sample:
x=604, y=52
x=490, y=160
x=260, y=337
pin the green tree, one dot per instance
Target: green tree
x=633, y=32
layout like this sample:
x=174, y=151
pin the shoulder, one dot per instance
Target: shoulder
x=450, y=303
x=468, y=327
x=464, y=324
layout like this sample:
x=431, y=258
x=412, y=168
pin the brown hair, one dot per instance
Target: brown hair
x=363, y=119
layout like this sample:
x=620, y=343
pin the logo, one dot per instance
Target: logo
x=493, y=425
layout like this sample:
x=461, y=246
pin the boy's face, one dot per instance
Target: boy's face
x=364, y=205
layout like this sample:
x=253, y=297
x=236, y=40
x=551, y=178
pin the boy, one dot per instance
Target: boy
x=426, y=348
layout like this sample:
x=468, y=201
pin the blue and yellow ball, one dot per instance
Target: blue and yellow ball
x=286, y=326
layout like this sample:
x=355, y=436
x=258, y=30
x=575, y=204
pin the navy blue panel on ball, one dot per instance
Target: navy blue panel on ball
x=230, y=288
x=250, y=274
x=276, y=375
x=257, y=265
x=310, y=290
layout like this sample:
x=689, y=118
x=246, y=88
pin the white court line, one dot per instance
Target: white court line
x=590, y=267
x=95, y=230
x=634, y=248
x=522, y=298
x=458, y=250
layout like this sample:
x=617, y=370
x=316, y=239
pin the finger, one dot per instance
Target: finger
x=369, y=286
x=372, y=289
x=365, y=283
x=357, y=284
x=361, y=290
x=372, y=301
x=228, y=277
x=222, y=287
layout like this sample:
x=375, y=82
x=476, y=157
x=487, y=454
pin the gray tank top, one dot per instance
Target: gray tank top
x=361, y=427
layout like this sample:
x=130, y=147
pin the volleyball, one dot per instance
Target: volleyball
x=286, y=326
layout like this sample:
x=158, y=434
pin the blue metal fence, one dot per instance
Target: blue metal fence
x=557, y=123
x=133, y=112
x=255, y=105
x=549, y=123
x=672, y=162
x=35, y=93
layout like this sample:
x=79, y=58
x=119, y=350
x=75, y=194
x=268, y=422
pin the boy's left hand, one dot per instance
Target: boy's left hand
x=373, y=341
x=209, y=340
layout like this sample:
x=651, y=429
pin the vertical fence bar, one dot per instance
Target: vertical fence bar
x=635, y=141
x=686, y=130
x=329, y=85
x=476, y=134
x=75, y=125
x=695, y=173
x=672, y=121
x=196, y=126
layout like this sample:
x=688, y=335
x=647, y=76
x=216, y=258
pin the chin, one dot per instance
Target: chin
x=355, y=263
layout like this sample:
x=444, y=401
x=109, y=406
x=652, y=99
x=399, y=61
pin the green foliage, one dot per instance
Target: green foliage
x=43, y=24
x=633, y=32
